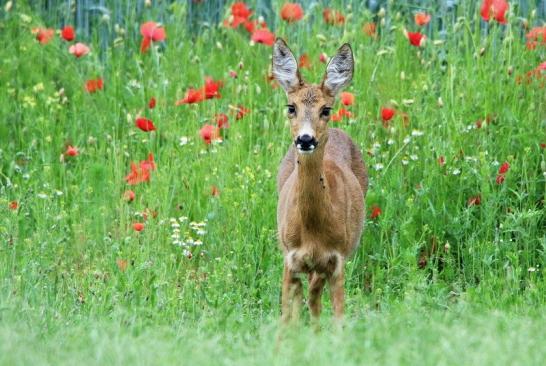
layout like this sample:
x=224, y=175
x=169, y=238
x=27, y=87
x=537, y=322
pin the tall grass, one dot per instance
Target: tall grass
x=437, y=279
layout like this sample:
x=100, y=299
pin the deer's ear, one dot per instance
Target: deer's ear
x=285, y=67
x=339, y=71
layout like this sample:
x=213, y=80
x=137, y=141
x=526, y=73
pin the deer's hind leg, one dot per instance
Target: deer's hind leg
x=316, y=285
x=292, y=295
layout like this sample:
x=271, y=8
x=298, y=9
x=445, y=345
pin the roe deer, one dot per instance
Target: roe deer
x=322, y=183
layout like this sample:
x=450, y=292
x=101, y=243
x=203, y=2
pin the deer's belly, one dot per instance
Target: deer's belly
x=307, y=260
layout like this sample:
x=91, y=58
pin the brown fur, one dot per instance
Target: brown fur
x=321, y=206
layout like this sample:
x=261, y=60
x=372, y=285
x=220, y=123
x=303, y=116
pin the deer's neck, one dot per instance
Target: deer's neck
x=312, y=190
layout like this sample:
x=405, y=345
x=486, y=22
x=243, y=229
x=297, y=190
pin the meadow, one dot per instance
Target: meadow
x=138, y=192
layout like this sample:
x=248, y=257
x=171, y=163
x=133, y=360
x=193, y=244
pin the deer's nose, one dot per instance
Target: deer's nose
x=306, y=142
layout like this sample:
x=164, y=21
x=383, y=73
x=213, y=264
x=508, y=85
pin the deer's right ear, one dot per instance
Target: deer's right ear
x=285, y=67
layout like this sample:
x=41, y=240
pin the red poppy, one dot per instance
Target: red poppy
x=495, y=9
x=151, y=32
x=387, y=114
x=151, y=103
x=222, y=120
x=13, y=205
x=214, y=191
x=342, y=112
x=305, y=62
x=144, y=124
x=93, y=85
x=333, y=17
x=441, y=160
x=68, y=33
x=241, y=112
x=263, y=36
x=79, y=49
x=211, y=88
x=415, y=38
x=474, y=201
x=192, y=96
x=210, y=133
x=347, y=98
x=141, y=173
x=233, y=74
x=129, y=195
x=240, y=14
x=536, y=37
x=370, y=29
x=504, y=167
x=44, y=35
x=291, y=12
x=376, y=212
x=500, y=178
x=323, y=58
x=71, y=151
x=138, y=226
x=422, y=19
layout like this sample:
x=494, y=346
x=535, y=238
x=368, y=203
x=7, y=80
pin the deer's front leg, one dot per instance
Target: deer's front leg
x=292, y=295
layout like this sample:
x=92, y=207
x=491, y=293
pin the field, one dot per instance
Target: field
x=138, y=193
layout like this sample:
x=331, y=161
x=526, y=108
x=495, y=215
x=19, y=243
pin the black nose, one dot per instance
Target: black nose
x=306, y=142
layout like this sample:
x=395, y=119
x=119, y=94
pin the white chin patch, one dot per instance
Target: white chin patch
x=305, y=152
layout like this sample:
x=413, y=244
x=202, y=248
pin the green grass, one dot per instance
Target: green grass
x=435, y=280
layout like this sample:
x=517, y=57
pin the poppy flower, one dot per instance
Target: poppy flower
x=376, y=212
x=291, y=12
x=129, y=195
x=474, y=201
x=342, y=112
x=141, y=173
x=422, y=19
x=151, y=103
x=145, y=124
x=504, y=168
x=68, y=33
x=441, y=160
x=241, y=112
x=333, y=17
x=263, y=36
x=71, y=151
x=192, y=96
x=13, y=205
x=415, y=38
x=500, y=178
x=122, y=264
x=222, y=120
x=151, y=32
x=304, y=62
x=210, y=133
x=44, y=35
x=214, y=191
x=323, y=58
x=495, y=9
x=240, y=14
x=79, y=49
x=370, y=29
x=387, y=114
x=211, y=88
x=536, y=37
x=138, y=226
x=347, y=98
x=93, y=85
x=233, y=74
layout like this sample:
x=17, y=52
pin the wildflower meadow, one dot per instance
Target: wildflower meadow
x=138, y=188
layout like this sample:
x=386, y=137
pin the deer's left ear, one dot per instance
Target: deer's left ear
x=285, y=67
x=339, y=71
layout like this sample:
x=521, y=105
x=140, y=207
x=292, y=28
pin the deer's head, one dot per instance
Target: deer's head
x=309, y=105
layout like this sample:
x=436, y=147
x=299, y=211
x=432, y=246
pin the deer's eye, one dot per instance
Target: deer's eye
x=325, y=112
x=291, y=109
